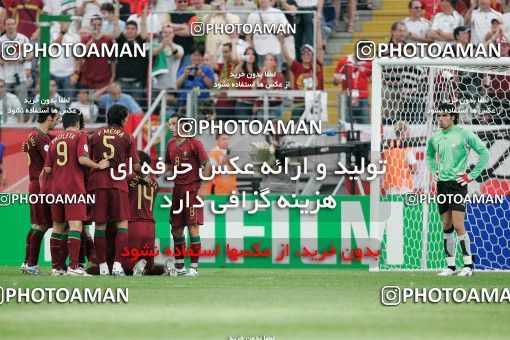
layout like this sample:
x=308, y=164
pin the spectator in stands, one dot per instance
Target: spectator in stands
x=62, y=67
x=195, y=75
x=480, y=19
x=131, y=71
x=220, y=156
x=87, y=9
x=305, y=23
x=26, y=14
x=200, y=5
x=399, y=33
x=266, y=43
x=291, y=7
x=431, y=8
x=239, y=44
x=445, y=22
x=225, y=107
x=172, y=55
x=207, y=60
x=15, y=73
x=108, y=13
x=401, y=162
x=55, y=99
x=84, y=104
x=152, y=23
x=9, y=104
x=96, y=72
x=233, y=6
x=271, y=79
x=248, y=66
x=360, y=72
x=115, y=96
x=416, y=24
x=181, y=20
x=3, y=16
x=213, y=42
x=497, y=33
x=303, y=74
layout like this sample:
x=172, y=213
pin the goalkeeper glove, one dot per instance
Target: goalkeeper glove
x=464, y=179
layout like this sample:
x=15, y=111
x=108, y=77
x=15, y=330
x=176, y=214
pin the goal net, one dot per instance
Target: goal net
x=405, y=98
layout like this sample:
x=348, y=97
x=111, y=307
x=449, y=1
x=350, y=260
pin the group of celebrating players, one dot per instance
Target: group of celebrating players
x=76, y=162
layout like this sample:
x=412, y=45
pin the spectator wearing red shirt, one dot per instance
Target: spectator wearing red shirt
x=302, y=74
x=96, y=72
x=359, y=72
x=25, y=12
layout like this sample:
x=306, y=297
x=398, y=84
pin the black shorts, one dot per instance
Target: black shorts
x=453, y=193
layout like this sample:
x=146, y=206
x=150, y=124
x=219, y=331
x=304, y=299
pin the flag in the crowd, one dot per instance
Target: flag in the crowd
x=66, y=5
x=160, y=65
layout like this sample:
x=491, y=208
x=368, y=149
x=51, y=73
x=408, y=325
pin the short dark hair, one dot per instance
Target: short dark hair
x=450, y=109
x=132, y=22
x=144, y=158
x=176, y=115
x=197, y=48
x=82, y=119
x=107, y=6
x=70, y=118
x=47, y=110
x=229, y=45
x=116, y=115
x=395, y=25
x=411, y=3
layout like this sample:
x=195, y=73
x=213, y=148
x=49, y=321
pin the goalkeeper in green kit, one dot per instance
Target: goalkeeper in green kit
x=447, y=156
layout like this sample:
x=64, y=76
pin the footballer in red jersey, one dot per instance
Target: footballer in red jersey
x=180, y=151
x=37, y=146
x=110, y=187
x=142, y=234
x=67, y=155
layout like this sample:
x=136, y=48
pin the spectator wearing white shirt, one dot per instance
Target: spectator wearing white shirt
x=86, y=106
x=266, y=43
x=445, y=22
x=480, y=19
x=15, y=73
x=62, y=67
x=173, y=54
x=8, y=103
x=87, y=9
x=416, y=24
x=241, y=5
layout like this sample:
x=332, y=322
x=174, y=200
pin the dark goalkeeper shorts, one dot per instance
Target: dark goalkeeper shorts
x=451, y=196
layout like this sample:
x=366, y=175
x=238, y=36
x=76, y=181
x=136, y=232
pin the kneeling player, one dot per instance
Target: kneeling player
x=142, y=194
x=66, y=156
x=447, y=155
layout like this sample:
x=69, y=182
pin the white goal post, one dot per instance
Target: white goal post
x=405, y=93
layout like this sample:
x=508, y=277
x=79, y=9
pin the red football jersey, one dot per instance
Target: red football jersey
x=117, y=146
x=63, y=159
x=142, y=197
x=38, y=146
x=191, y=151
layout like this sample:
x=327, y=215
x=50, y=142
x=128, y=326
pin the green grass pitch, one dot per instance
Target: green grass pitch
x=288, y=304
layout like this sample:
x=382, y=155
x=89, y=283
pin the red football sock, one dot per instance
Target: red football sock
x=27, y=245
x=55, y=250
x=35, y=247
x=100, y=246
x=74, y=247
x=64, y=251
x=121, y=241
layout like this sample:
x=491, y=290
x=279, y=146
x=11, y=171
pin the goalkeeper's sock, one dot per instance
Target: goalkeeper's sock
x=179, y=248
x=449, y=247
x=466, y=250
x=195, y=245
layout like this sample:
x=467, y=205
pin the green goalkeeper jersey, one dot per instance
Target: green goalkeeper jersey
x=453, y=146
